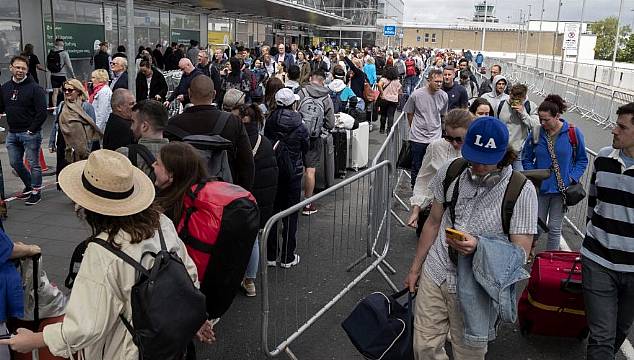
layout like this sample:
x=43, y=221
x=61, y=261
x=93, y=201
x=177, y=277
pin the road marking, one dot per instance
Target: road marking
x=626, y=348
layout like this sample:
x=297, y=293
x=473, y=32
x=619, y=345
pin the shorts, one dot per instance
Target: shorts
x=312, y=156
x=57, y=81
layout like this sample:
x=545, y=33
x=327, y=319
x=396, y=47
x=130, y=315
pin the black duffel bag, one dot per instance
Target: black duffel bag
x=382, y=328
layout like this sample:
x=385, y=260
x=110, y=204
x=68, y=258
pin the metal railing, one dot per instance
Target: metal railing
x=356, y=232
x=594, y=101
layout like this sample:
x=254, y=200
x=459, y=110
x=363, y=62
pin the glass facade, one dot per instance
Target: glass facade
x=10, y=34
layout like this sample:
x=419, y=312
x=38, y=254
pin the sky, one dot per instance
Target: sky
x=509, y=10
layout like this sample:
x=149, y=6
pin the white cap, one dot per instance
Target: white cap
x=286, y=97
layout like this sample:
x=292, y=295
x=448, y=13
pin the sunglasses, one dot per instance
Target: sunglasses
x=67, y=90
x=457, y=139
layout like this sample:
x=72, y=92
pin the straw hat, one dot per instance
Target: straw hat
x=107, y=183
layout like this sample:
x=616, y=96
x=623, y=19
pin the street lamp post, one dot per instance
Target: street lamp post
x=552, y=66
x=519, y=26
x=528, y=24
x=484, y=28
x=583, y=9
x=539, y=36
x=616, y=43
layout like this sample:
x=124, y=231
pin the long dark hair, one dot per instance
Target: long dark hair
x=140, y=226
x=187, y=168
x=273, y=85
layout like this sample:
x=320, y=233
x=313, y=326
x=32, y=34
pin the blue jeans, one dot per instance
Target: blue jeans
x=608, y=297
x=418, y=153
x=551, y=209
x=252, y=266
x=19, y=144
x=409, y=84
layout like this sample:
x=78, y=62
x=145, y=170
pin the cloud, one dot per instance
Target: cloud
x=509, y=11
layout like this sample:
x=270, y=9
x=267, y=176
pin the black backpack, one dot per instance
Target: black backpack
x=214, y=149
x=135, y=150
x=167, y=309
x=54, y=61
x=337, y=104
x=513, y=190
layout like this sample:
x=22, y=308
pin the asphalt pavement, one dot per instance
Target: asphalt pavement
x=327, y=242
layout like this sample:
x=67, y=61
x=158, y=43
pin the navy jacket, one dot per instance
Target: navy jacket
x=25, y=105
x=288, y=59
x=183, y=85
x=122, y=82
x=158, y=86
x=286, y=125
x=457, y=97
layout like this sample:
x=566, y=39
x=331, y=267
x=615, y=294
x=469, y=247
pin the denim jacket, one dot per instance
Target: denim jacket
x=486, y=287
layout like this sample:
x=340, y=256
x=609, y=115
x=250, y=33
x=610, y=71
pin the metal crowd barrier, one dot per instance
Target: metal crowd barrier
x=597, y=102
x=351, y=229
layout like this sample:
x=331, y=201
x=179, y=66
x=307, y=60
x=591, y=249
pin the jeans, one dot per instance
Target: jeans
x=418, y=153
x=17, y=145
x=409, y=84
x=254, y=260
x=608, y=297
x=551, y=209
x=388, y=109
x=287, y=195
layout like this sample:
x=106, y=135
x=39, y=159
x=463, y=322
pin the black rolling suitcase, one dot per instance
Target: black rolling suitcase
x=340, y=140
x=325, y=171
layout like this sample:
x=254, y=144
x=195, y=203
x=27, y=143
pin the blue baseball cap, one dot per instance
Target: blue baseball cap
x=486, y=141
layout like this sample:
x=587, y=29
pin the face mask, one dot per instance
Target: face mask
x=488, y=180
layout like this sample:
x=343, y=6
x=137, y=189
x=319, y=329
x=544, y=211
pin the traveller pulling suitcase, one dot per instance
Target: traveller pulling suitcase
x=552, y=302
x=340, y=140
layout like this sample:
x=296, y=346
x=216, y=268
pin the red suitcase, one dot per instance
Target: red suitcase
x=552, y=303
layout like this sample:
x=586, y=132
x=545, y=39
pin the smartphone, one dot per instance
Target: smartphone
x=454, y=234
x=515, y=102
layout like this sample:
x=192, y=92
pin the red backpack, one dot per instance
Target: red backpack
x=410, y=67
x=219, y=226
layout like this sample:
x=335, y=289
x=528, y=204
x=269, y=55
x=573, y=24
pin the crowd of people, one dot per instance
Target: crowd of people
x=130, y=168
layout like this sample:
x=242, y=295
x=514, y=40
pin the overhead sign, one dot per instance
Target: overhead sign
x=79, y=39
x=571, y=36
x=389, y=30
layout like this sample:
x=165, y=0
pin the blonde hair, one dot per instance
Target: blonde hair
x=101, y=75
x=77, y=85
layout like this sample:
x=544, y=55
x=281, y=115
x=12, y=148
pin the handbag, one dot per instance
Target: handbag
x=404, y=160
x=572, y=194
x=381, y=328
x=369, y=94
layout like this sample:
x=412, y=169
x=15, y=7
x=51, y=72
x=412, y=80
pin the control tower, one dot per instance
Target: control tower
x=483, y=7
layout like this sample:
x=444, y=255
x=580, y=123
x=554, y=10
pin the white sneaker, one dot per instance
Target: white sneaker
x=271, y=263
x=292, y=263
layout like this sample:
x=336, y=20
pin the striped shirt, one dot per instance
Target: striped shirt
x=609, y=237
x=478, y=212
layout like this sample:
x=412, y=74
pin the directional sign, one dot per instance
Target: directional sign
x=571, y=36
x=389, y=30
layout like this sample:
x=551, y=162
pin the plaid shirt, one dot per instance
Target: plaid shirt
x=478, y=212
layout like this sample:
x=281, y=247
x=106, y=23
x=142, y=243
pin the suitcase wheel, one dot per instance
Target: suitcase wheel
x=584, y=334
x=525, y=328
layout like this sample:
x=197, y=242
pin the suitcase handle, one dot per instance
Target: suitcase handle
x=569, y=285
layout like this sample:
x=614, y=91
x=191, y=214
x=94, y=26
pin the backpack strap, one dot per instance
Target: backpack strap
x=220, y=123
x=185, y=236
x=135, y=150
x=572, y=136
x=176, y=131
x=500, y=105
x=257, y=145
x=512, y=192
x=454, y=170
x=123, y=256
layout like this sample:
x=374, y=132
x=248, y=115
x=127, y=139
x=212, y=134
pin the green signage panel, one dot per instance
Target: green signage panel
x=183, y=36
x=79, y=39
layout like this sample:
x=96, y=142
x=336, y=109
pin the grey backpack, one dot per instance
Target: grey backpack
x=214, y=149
x=313, y=112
